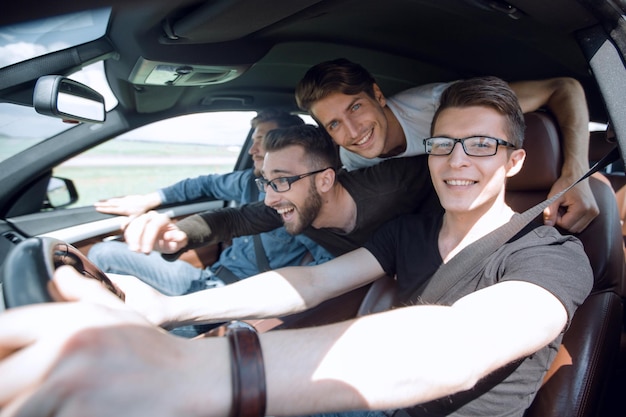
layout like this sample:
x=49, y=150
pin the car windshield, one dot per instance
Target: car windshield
x=28, y=40
x=20, y=126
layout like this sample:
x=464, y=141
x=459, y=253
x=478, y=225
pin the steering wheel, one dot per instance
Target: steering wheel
x=29, y=267
x=28, y=272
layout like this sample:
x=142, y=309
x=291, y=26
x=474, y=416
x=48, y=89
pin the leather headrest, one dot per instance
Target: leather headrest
x=543, y=162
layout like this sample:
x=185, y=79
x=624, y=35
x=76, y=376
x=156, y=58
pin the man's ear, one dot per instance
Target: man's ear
x=325, y=180
x=379, y=96
x=515, y=162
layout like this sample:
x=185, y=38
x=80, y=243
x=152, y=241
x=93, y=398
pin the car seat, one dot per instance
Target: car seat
x=600, y=143
x=578, y=378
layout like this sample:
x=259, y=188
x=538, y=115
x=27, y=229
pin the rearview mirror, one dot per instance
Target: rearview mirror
x=64, y=98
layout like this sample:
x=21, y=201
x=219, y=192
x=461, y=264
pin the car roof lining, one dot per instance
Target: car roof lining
x=219, y=21
x=283, y=45
x=264, y=47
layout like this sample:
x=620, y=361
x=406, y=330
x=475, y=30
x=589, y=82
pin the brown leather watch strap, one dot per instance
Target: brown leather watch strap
x=248, y=372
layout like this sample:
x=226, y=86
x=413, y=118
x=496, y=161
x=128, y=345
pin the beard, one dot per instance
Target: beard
x=307, y=213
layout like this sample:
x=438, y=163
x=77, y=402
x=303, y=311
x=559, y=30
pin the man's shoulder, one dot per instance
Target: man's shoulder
x=425, y=91
x=249, y=172
x=238, y=185
x=351, y=160
x=538, y=234
x=244, y=174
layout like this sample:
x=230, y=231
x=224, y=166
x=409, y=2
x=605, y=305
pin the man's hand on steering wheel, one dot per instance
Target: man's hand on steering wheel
x=49, y=346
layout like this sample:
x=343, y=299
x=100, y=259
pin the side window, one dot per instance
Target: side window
x=158, y=155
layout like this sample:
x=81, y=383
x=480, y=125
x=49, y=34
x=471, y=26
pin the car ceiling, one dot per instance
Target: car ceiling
x=273, y=42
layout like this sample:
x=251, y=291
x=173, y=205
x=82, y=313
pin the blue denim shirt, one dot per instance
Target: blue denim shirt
x=281, y=248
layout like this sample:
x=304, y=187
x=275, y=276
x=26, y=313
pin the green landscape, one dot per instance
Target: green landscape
x=123, y=167
x=126, y=167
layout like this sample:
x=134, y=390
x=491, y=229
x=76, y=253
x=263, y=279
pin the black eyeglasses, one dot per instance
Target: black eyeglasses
x=472, y=146
x=283, y=184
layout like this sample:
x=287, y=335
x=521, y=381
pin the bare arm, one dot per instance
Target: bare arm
x=309, y=370
x=221, y=225
x=270, y=294
x=420, y=368
x=156, y=231
x=565, y=98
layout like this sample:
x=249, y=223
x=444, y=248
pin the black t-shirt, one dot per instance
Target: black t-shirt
x=381, y=192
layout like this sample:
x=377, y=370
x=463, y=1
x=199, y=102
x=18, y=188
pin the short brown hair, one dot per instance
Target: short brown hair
x=317, y=144
x=336, y=76
x=280, y=117
x=490, y=92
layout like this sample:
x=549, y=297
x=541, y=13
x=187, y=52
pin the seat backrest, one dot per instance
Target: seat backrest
x=577, y=378
x=600, y=143
x=602, y=238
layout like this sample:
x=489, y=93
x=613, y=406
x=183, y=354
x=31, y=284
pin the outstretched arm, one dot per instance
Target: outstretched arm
x=270, y=294
x=220, y=225
x=328, y=368
x=565, y=98
x=156, y=231
x=335, y=362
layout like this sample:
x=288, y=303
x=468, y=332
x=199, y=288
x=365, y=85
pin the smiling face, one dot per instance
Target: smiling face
x=355, y=122
x=469, y=184
x=300, y=205
x=256, y=150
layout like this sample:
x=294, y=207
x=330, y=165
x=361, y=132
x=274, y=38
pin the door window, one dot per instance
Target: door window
x=158, y=155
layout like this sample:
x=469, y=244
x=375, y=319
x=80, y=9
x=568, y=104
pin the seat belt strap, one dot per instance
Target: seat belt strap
x=226, y=275
x=261, y=258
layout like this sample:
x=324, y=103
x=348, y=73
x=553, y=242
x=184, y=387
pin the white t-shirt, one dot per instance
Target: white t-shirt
x=414, y=109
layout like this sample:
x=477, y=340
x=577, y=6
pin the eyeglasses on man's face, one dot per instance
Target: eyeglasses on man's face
x=283, y=184
x=472, y=146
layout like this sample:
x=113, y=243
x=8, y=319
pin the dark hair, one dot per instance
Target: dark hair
x=489, y=92
x=317, y=144
x=337, y=76
x=280, y=117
